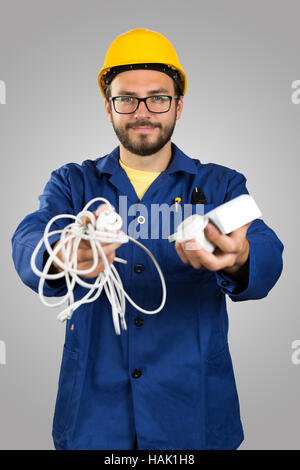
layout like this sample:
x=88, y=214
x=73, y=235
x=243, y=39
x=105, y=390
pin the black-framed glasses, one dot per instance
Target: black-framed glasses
x=154, y=104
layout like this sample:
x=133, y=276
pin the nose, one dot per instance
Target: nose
x=142, y=109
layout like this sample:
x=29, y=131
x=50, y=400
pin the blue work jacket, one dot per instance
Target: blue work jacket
x=169, y=377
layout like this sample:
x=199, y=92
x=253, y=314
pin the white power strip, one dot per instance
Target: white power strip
x=227, y=218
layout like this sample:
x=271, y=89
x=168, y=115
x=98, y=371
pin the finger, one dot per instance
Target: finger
x=111, y=248
x=231, y=243
x=87, y=220
x=211, y=261
x=192, y=248
x=101, y=208
x=224, y=242
x=239, y=238
x=240, y=233
x=98, y=269
x=181, y=253
x=86, y=254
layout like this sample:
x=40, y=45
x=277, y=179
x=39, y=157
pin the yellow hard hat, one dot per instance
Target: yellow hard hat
x=141, y=48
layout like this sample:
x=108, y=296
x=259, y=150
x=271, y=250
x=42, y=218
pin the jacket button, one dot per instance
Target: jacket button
x=136, y=373
x=139, y=321
x=139, y=268
x=225, y=283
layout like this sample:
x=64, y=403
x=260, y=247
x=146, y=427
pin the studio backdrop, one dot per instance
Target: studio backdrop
x=241, y=110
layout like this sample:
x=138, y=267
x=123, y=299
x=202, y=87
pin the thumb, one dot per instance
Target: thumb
x=241, y=231
x=101, y=208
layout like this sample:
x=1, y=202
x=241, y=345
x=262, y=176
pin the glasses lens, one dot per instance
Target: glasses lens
x=158, y=104
x=125, y=104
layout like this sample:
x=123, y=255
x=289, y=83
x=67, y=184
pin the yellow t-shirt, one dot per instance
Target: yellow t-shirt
x=140, y=180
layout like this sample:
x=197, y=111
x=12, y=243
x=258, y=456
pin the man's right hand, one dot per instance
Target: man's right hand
x=85, y=254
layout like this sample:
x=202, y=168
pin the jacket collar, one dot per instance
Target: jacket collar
x=179, y=162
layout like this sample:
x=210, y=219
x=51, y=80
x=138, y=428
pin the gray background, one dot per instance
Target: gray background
x=240, y=59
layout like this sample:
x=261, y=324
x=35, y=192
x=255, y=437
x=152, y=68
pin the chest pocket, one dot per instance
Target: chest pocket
x=174, y=267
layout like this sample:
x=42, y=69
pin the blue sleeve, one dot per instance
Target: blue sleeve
x=56, y=199
x=265, y=256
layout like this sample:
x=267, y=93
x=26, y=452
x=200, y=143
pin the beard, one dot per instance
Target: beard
x=142, y=145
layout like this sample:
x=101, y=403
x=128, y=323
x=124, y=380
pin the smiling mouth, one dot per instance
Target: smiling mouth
x=143, y=129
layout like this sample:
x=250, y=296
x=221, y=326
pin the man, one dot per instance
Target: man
x=166, y=382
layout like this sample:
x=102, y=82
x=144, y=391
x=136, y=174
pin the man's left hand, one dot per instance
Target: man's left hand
x=230, y=255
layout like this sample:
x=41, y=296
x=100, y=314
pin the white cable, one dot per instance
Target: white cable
x=103, y=229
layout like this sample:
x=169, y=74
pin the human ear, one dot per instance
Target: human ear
x=108, y=109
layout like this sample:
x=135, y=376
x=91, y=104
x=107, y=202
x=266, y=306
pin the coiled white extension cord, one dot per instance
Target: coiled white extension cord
x=103, y=229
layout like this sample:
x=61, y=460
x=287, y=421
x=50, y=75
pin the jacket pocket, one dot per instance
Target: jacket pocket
x=66, y=385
